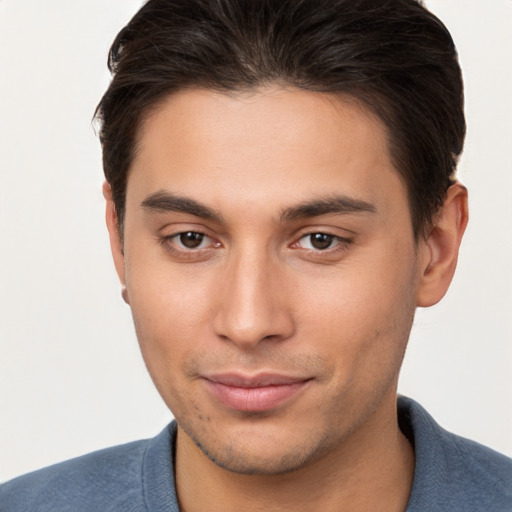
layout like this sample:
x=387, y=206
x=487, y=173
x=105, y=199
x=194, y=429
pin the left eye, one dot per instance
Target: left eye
x=319, y=241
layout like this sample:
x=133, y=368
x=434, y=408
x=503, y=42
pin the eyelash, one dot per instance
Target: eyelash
x=169, y=243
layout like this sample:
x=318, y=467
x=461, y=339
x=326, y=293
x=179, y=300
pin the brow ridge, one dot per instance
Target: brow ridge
x=336, y=204
x=164, y=201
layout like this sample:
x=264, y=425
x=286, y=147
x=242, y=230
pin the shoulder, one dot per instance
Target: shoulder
x=82, y=483
x=108, y=480
x=454, y=473
x=477, y=474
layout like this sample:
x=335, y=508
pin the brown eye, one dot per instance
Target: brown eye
x=191, y=239
x=322, y=245
x=321, y=241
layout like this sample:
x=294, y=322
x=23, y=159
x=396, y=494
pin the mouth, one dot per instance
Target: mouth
x=258, y=393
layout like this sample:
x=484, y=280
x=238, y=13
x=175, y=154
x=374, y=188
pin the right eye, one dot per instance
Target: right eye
x=189, y=244
x=190, y=240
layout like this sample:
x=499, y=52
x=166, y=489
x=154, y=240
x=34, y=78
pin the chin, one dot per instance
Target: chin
x=262, y=463
x=259, y=453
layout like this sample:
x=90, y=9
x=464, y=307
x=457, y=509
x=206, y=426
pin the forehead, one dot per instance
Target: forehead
x=271, y=143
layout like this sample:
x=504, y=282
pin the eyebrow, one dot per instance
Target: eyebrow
x=327, y=205
x=163, y=201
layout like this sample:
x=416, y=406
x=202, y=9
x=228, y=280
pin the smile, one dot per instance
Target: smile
x=254, y=394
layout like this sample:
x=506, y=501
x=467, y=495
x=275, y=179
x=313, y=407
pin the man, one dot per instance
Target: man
x=280, y=198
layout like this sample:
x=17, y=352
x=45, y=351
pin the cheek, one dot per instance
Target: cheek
x=170, y=312
x=357, y=301
x=361, y=314
x=170, y=326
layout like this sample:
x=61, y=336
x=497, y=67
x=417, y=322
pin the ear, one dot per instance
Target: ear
x=439, y=251
x=116, y=245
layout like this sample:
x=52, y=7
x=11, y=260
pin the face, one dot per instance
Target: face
x=271, y=269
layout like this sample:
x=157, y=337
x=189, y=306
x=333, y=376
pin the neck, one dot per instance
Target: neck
x=373, y=470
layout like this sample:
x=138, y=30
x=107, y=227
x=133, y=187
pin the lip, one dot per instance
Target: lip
x=257, y=393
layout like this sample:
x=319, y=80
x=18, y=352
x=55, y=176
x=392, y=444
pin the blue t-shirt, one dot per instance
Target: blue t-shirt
x=452, y=474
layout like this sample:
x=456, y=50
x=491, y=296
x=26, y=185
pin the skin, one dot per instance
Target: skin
x=260, y=295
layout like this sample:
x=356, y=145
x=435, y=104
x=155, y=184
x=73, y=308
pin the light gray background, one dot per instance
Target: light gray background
x=71, y=377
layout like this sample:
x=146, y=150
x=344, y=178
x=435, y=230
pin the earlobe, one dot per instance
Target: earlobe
x=116, y=245
x=439, y=251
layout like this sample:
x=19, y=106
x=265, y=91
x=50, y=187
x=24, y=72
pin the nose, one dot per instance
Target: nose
x=253, y=304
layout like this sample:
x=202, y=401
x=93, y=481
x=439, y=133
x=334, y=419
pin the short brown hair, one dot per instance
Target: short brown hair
x=393, y=55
